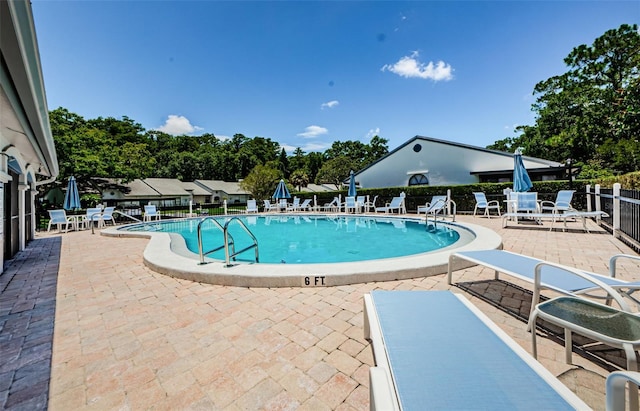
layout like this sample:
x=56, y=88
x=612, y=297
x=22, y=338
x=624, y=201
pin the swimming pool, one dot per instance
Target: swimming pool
x=295, y=239
x=168, y=254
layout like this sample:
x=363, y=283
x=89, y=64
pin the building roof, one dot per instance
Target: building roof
x=24, y=116
x=195, y=189
x=229, y=187
x=541, y=161
x=317, y=188
x=131, y=190
x=167, y=186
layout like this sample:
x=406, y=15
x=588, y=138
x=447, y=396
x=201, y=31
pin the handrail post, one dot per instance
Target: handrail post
x=588, y=190
x=226, y=246
x=616, y=209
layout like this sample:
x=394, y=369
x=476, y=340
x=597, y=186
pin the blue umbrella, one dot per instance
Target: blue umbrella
x=281, y=191
x=71, y=197
x=352, y=185
x=521, y=180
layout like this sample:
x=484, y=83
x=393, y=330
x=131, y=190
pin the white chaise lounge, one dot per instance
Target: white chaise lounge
x=435, y=350
x=562, y=279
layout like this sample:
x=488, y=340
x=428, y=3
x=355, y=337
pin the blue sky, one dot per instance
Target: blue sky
x=307, y=73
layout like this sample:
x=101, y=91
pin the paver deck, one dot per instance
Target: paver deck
x=126, y=337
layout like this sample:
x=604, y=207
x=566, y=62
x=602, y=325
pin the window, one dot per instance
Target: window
x=418, y=180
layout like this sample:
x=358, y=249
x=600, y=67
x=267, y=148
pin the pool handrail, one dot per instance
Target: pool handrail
x=228, y=240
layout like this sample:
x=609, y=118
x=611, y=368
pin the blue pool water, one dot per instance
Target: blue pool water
x=294, y=239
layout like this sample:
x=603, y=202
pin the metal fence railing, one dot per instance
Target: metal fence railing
x=623, y=207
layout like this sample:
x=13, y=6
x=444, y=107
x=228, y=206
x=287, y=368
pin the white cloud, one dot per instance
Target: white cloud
x=410, y=66
x=313, y=131
x=329, y=104
x=373, y=132
x=178, y=125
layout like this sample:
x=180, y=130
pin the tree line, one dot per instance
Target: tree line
x=96, y=149
x=589, y=116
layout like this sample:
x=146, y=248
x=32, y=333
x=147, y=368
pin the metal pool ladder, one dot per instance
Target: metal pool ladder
x=228, y=240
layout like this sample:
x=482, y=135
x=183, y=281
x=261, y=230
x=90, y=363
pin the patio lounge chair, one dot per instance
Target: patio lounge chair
x=435, y=206
x=59, y=218
x=107, y=215
x=305, y=205
x=151, y=213
x=294, y=206
x=481, y=202
x=269, y=207
x=615, y=387
x=567, y=215
x=370, y=205
x=334, y=205
x=350, y=204
x=93, y=215
x=397, y=203
x=562, y=203
x=562, y=279
x=252, y=207
x=436, y=350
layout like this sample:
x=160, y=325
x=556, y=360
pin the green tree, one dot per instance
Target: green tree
x=299, y=179
x=261, y=181
x=335, y=171
x=104, y=147
x=283, y=162
x=314, y=163
x=377, y=148
x=591, y=113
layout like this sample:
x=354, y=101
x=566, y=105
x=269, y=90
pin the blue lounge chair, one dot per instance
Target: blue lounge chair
x=60, y=219
x=350, y=204
x=565, y=280
x=562, y=203
x=437, y=205
x=482, y=203
x=435, y=350
x=151, y=213
x=305, y=205
x=294, y=206
x=269, y=207
x=252, y=207
x=397, y=203
x=334, y=205
x=107, y=215
x=93, y=215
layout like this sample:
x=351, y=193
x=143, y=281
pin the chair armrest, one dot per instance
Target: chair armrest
x=616, y=382
x=537, y=284
x=496, y=202
x=615, y=258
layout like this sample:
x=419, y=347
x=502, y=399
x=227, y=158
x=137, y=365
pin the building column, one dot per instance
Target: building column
x=22, y=190
x=34, y=195
x=4, y=179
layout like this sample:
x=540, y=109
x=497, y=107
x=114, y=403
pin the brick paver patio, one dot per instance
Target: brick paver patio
x=126, y=337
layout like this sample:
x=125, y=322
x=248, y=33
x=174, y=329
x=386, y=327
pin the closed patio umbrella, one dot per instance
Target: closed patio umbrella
x=281, y=191
x=521, y=180
x=352, y=185
x=71, y=197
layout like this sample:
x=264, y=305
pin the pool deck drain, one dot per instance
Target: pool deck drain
x=161, y=256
